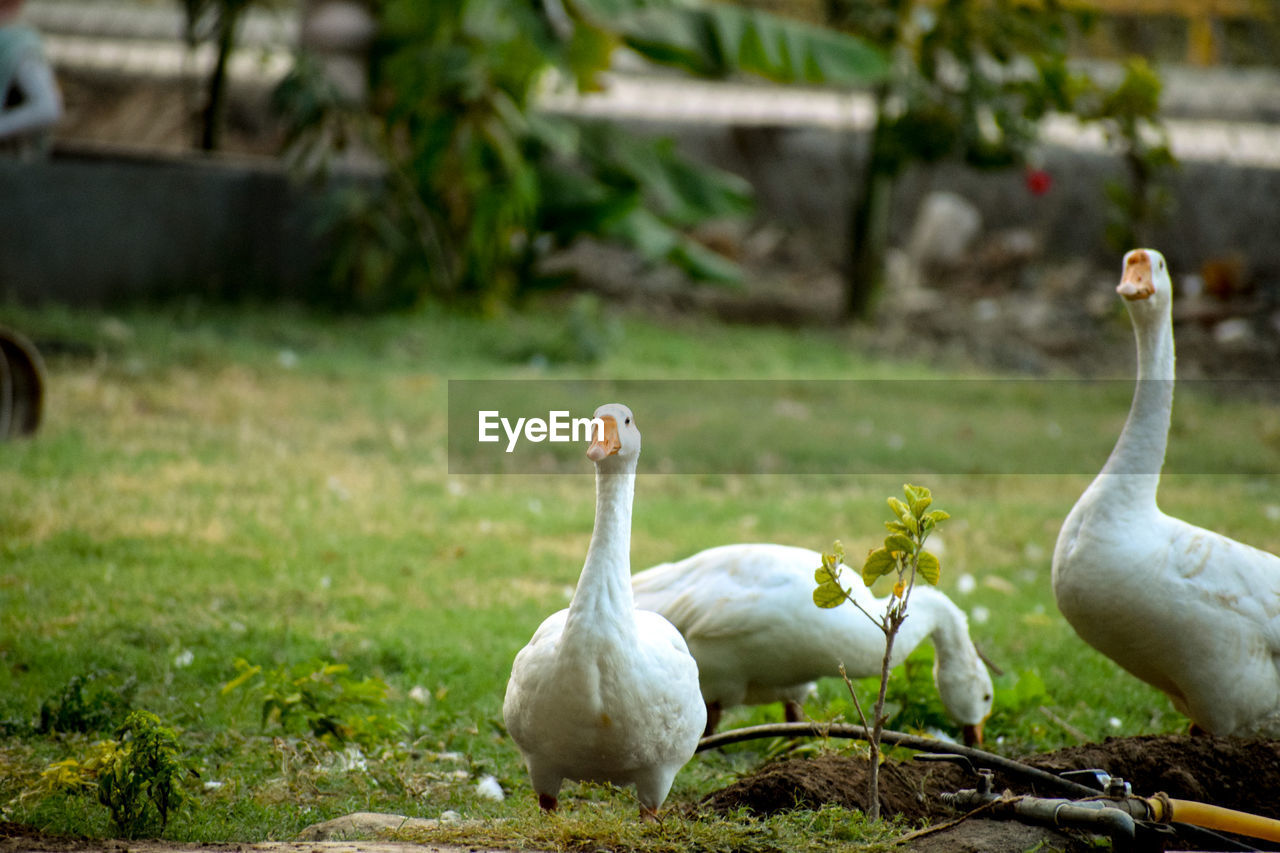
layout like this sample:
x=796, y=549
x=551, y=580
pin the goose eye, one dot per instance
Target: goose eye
x=627, y=422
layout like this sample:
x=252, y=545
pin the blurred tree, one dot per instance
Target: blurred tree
x=1129, y=113
x=478, y=183
x=969, y=80
x=216, y=21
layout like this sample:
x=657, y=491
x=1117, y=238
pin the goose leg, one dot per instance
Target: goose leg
x=713, y=718
x=548, y=802
x=793, y=711
x=648, y=815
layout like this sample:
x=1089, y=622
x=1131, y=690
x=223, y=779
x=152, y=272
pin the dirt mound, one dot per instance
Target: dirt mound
x=1237, y=774
x=907, y=788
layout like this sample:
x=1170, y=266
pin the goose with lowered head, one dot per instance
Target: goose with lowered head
x=1189, y=611
x=604, y=692
x=748, y=615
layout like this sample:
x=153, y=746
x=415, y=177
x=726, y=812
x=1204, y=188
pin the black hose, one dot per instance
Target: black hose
x=978, y=757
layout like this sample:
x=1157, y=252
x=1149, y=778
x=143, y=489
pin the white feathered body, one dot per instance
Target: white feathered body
x=748, y=615
x=1189, y=611
x=606, y=704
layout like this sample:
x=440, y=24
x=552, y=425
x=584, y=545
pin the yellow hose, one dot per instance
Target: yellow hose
x=1168, y=810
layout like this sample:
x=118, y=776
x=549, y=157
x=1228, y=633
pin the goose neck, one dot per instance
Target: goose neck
x=604, y=589
x=1139, y=453
x=940, y=620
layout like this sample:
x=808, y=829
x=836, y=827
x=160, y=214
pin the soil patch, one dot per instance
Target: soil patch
x=1233, y=773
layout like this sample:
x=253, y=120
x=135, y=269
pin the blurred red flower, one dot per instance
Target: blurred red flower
x=1039, y=181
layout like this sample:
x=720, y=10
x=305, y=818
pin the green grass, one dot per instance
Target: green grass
x=216, y=485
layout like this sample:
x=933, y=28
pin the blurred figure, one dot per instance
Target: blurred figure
x=29, y=101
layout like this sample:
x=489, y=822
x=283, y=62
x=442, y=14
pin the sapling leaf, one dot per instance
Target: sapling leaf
x=929, y=568
x=900, y=542
x=896, y=527
x=913, y=526
x=938, y=515
x=828, y=595
x=919, y=498
x=879, y=562
x=901, y=510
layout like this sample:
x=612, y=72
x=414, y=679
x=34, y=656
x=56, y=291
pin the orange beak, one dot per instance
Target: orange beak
x=607, y=444
x=1136, y=282
x=972, y=735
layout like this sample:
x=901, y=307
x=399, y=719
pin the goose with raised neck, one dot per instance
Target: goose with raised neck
x=604, y=692
x=747, y=613
x=1187, y=610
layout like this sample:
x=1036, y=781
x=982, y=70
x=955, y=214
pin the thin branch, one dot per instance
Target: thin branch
x=856, y=704
x=878, y=621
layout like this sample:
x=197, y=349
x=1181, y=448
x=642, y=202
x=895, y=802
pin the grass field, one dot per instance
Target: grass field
x=273, y=488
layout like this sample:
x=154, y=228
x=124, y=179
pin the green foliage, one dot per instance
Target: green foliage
x=73, y=775
x=970, y=81
x=88, y=703
x=1025, y=693
x=638, y=192
x=1022, y=710
x=138, y=776
x=477, y=184
x=320, y=699
x=720, y=40
x=1130, y=116
x=902, y=554
x=140, y=782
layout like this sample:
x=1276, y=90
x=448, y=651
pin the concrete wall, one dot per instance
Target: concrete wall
x=91, y=229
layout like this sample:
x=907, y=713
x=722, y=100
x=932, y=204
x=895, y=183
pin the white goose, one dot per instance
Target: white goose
x=1186, y=610
x=748, y=615
x=604, y=692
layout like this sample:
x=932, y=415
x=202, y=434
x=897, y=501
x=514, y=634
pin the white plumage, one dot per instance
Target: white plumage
x=1186, y=610
x=748, y=615
x=604, y=692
